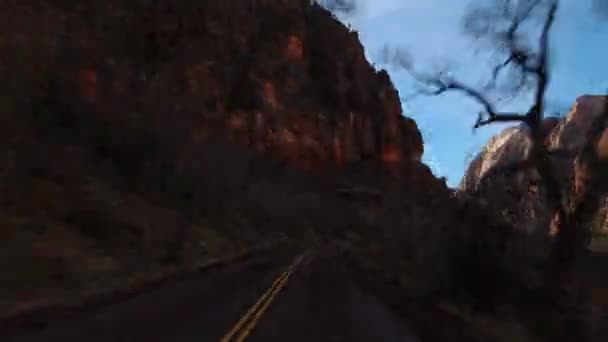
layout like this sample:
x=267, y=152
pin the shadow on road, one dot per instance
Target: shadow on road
x=319, y=302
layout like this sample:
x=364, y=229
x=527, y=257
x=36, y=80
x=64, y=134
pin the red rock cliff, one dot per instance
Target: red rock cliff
x=284, y=77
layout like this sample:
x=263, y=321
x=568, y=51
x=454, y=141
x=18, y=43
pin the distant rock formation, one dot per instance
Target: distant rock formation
x=499, y=174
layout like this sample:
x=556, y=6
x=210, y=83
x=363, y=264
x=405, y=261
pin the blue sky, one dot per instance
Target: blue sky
x=431, y=31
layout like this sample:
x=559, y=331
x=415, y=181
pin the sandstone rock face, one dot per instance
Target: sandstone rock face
x=282, y=77
x=571, y=133
x=497, y=173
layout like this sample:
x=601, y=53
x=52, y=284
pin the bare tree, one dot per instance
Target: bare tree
x=518, y=33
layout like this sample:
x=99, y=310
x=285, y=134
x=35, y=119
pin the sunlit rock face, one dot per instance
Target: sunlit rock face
x=499, y=172
x=571, y=133
x=495, y=173
x=284, y=77
x=509, y=147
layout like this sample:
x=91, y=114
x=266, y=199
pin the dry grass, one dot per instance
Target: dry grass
x=516, y=318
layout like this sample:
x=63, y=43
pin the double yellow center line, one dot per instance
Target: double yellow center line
x=247, y=323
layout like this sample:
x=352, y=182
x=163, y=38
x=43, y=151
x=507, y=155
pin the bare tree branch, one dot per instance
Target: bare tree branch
x=439, y=86
x=541, y=69
x=518, y=58
x=531, y=63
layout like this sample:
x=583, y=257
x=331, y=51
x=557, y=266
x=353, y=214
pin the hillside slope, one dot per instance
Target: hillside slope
x=139, y=135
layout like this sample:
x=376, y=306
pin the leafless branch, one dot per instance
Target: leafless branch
x=438, y=86
x=518, y=58
x=531, y=64
x=541, y=70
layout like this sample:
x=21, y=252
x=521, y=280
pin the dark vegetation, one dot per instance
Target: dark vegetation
x=518, y=34
x=527, y=65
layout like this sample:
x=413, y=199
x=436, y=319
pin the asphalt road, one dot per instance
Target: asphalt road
x=322, y=303
x=311, y=299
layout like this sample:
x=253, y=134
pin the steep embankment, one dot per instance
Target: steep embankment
x=136, y=134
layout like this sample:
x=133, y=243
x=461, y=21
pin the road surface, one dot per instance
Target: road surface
x=309, y=298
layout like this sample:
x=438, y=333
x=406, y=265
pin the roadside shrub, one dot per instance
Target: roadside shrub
x=455, y=247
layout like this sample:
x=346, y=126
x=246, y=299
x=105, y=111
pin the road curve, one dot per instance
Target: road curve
x=313, y=300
